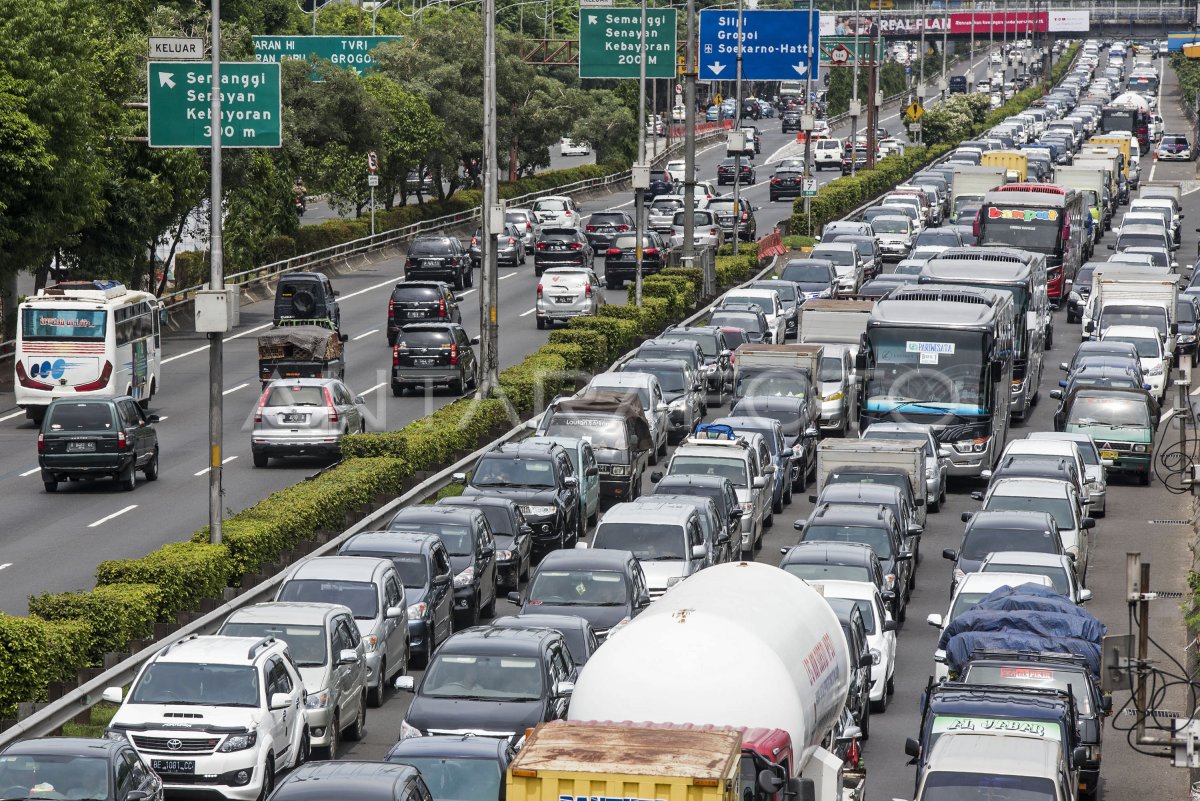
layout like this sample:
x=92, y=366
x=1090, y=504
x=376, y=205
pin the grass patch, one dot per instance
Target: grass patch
x=102, y=715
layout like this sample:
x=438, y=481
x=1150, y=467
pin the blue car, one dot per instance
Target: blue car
x=714, y=114
x=781, y=455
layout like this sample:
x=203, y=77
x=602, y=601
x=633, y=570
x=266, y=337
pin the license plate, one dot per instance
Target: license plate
x=415, y=313
x=565, y=299
x=430, y=263
x=424, y=362
x=295, y=418
x=80, y=447
x=1111, y=455
x=173, y=765
x=557, y=247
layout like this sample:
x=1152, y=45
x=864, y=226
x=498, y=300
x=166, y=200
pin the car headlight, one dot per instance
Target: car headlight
x=747, y=507
x=239, y=742
x=504, y=556
x=1187, y=338
x=115, y=734
x=889, y=581
x=371, y=642
x=417, y=611
x=317, y=700
x=407, y=731
x=971, y=445
x=833, y=396
x=1139, y=448
x=876, y=657
x=465, y=578
x=1155, y=370
x=539, y=510
x=959, y=575
x=620, y=469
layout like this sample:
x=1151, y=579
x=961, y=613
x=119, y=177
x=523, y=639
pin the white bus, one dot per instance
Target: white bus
x=84, y=338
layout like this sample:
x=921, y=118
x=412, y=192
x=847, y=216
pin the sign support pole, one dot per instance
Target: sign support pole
x=640, y=196
x=690, y=68
x=489, y=368
x=854, y=106
x=924, y=55
x=810, y=110
x=737, y=116
x=216, y=280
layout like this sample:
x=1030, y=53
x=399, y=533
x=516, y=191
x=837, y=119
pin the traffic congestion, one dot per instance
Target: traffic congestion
x=707, y=569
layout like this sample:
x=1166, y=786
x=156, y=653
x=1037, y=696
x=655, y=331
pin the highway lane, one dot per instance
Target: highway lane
x=113, y=525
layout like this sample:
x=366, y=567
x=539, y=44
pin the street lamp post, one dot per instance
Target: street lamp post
x=492, y=219
x=641, y=169
x=855, y=109
x=216, y=280
x=737, y=116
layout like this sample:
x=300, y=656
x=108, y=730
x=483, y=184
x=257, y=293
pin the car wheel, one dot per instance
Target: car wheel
x=801, y=482
x=935, y=505
x=335, y=736
x=460, y=281
x=268, y=783
x=303, y=750
x=375, y=694
x=128, y=479
x=777, y=506
x=891, y=685
x=359, y=729
x=881, y=705
x=541, y=324
x=260, y=459
x=1144, y=478
x=490, y=609
x=151, y=469
x=397, y=390
x=51, y=486
x=902, y=613
x=864, y=725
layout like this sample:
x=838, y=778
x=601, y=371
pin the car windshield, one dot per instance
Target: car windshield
x=1034, y=674
x=785, y=290
x=416, y=294
x=1185, y=311
x=934, y=237
x=889, y=225
x=425, y=339
x=979, y=541
x=1061, y=509
x=806, y=273
x=295, y=396
x=602, y=432
x=962, y=786
x=1147, y=347
x=670, y=377
x=54, y=776
x=306, y=643
x=766, y=304
x=484, y=678
x=607, y=218
x=868, y=613
x=80, y=417
x=503, y=471
x=361, y=596
x=1058, y=576
x=743, y=320
x=648, y=542
x=839, y=257
x=578, y=588
x=732, y=469
x=1108, y=411
x=830, y=369
x=429, y=247
x=550, y=205
x=457, y=778
x=456, y=537
x=828, y=572
x=759, y=383
x=196, y=684
x=412, y=569
x=706, y=340
x=874, y=536
x=1141, y=240
x=926, y=370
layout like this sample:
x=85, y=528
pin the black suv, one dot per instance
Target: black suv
x=858, y=701
x=439, y=257
x=514, y=537
x=97, y=437
x=540, y=477
x=620, y=259
x=418, y=301
x=558, y=247
x=468, y=539
x=433, y=353
x=718, y=367
x=604, y=226
x=786, y=183
x=725, y=171
x=306, y=296
x=601, y=585
x=790, y=120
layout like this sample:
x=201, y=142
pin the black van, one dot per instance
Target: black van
x=958, y=84
x=307, y=296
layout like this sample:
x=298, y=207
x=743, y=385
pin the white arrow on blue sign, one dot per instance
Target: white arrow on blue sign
x=775, y=45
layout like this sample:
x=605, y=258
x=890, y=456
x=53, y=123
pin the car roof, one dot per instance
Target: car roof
x=393, y=541
x=840, y=588
x=1030, y=487
x=444, y=327
x=587, y=559
x=557, y=622
x=480, y=500
x=1030, y=558
x=1144, y=331
x=481, y=640
x=657, y=512
x=287, y=612
x=348, y=568
x=64, y=746
x=623, y=379
x=420, y=285
x=822, y=552
x=842, y=491
x=1011, y=520
x=214, y=649
x=300, y=381
x=451, y=746
x=852, y=514
x=693, y=480
x=362, y=781
x=990, y=582
x=526, y=450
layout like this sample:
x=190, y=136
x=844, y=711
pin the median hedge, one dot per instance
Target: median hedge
x=69, y=630
x=842, y=195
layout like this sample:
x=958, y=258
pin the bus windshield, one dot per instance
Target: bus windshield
x=926, y=370
x=42, y=323
x=1034, y=229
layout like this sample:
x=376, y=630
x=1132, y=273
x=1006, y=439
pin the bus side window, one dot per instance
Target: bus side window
x=155, y=313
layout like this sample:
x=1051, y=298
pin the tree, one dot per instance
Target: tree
x=606, y=123
x=409, y=135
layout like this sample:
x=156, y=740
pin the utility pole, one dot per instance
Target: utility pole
x=921, y=77
x=855, y=106
x=943, y=84
x=316, y=5
x=216, y=280
x=492, y=217
x=874, y=100
x=641, y=170
x=809, y=116
x=690, y=69
x=737, y=117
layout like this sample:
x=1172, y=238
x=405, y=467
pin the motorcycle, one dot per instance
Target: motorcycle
x=300, y=203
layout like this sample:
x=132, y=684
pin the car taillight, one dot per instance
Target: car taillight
x=589, y=228
x=613, y=252
x=396, y=355
x=587, y=290
x=528, y=226
x=745, y=215
x=975, y=227
x=409, y=262
x=442, y=307
x=541, y=245
x=474, y=240
x=713, y=231
x=622, y=227
x=512, y=241
x=41, y=442
x=453, y=353
x=261, y=403
x=575, y=246
x=539, y=294
x=122, y=442
x=650, y=252
x=99, y=383
x=391, y=309
x=333, y=415
x=776, y=181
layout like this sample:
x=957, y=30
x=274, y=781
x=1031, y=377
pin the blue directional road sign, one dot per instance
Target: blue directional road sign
x=775, y=45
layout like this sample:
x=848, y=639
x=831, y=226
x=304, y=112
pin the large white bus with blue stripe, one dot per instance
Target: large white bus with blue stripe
x=81, y=338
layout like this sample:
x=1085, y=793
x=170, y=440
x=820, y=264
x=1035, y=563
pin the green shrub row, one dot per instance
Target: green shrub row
x=842, y=195
x=69, y=630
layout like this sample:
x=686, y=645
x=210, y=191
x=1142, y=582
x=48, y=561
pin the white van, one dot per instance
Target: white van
x=827, y=153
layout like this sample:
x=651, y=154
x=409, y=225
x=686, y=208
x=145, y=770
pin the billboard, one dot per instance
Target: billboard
x=985, y=22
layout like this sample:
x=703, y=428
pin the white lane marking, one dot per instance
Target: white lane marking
x=365, y=335
x=372, y=389
x=469, y=291
x=1152, y=169
x=191, y=352
x=226, y=460
x=247, y=331
x=526, y=314
x=232, y=390
x=372, y=288
x=31, y=472
x=17, y=413
x=106, y=518
x=162, y=418
x=6, y=564
x=505, y=277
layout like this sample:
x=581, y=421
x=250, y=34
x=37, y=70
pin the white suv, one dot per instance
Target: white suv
x=216, y=714
x=827, y=153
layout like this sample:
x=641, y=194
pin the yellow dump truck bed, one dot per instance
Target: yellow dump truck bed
x=584, y=761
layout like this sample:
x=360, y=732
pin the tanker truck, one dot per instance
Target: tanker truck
x=765, y=639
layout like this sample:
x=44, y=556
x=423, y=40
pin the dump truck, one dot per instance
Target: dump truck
x=1014, y=162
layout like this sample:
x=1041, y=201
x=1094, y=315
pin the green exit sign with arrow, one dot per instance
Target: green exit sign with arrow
x=179, y=94
x=610, y=42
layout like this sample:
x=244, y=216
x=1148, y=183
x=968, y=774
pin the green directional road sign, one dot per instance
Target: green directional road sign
x=841, y=50
x=343, y=51
x=180, y=101
x=609, y=39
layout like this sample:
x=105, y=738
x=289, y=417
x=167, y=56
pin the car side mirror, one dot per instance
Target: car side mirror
x=759, y=482
x=563, y=689
x=643, y=601
x=514, y=598
x=865, y=660
x=474, y=340
x=1079, y=755
x=114, y=695
x=1064, y=366
x=441, y=578
x=934, y=619
x=394, y=612
x=912, y=748
x=1088, y=522
x=571, y=482
x=1106, y=462
x=137, y=795
x=918, y=501
x=849, y=734
x=787, y=453
x=459, y=478
x=904, y=556
x=280, y=701
x=406, y=683
x=889, y=625
x=1085, y=595
x=950, y=553
x=1106, y=704
x=736, y=514
x=460, y=298
x=592, y=472
x=152, y=418
x=656, y=476
x=344, y=337
x=347, y=656
x=799, y=525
